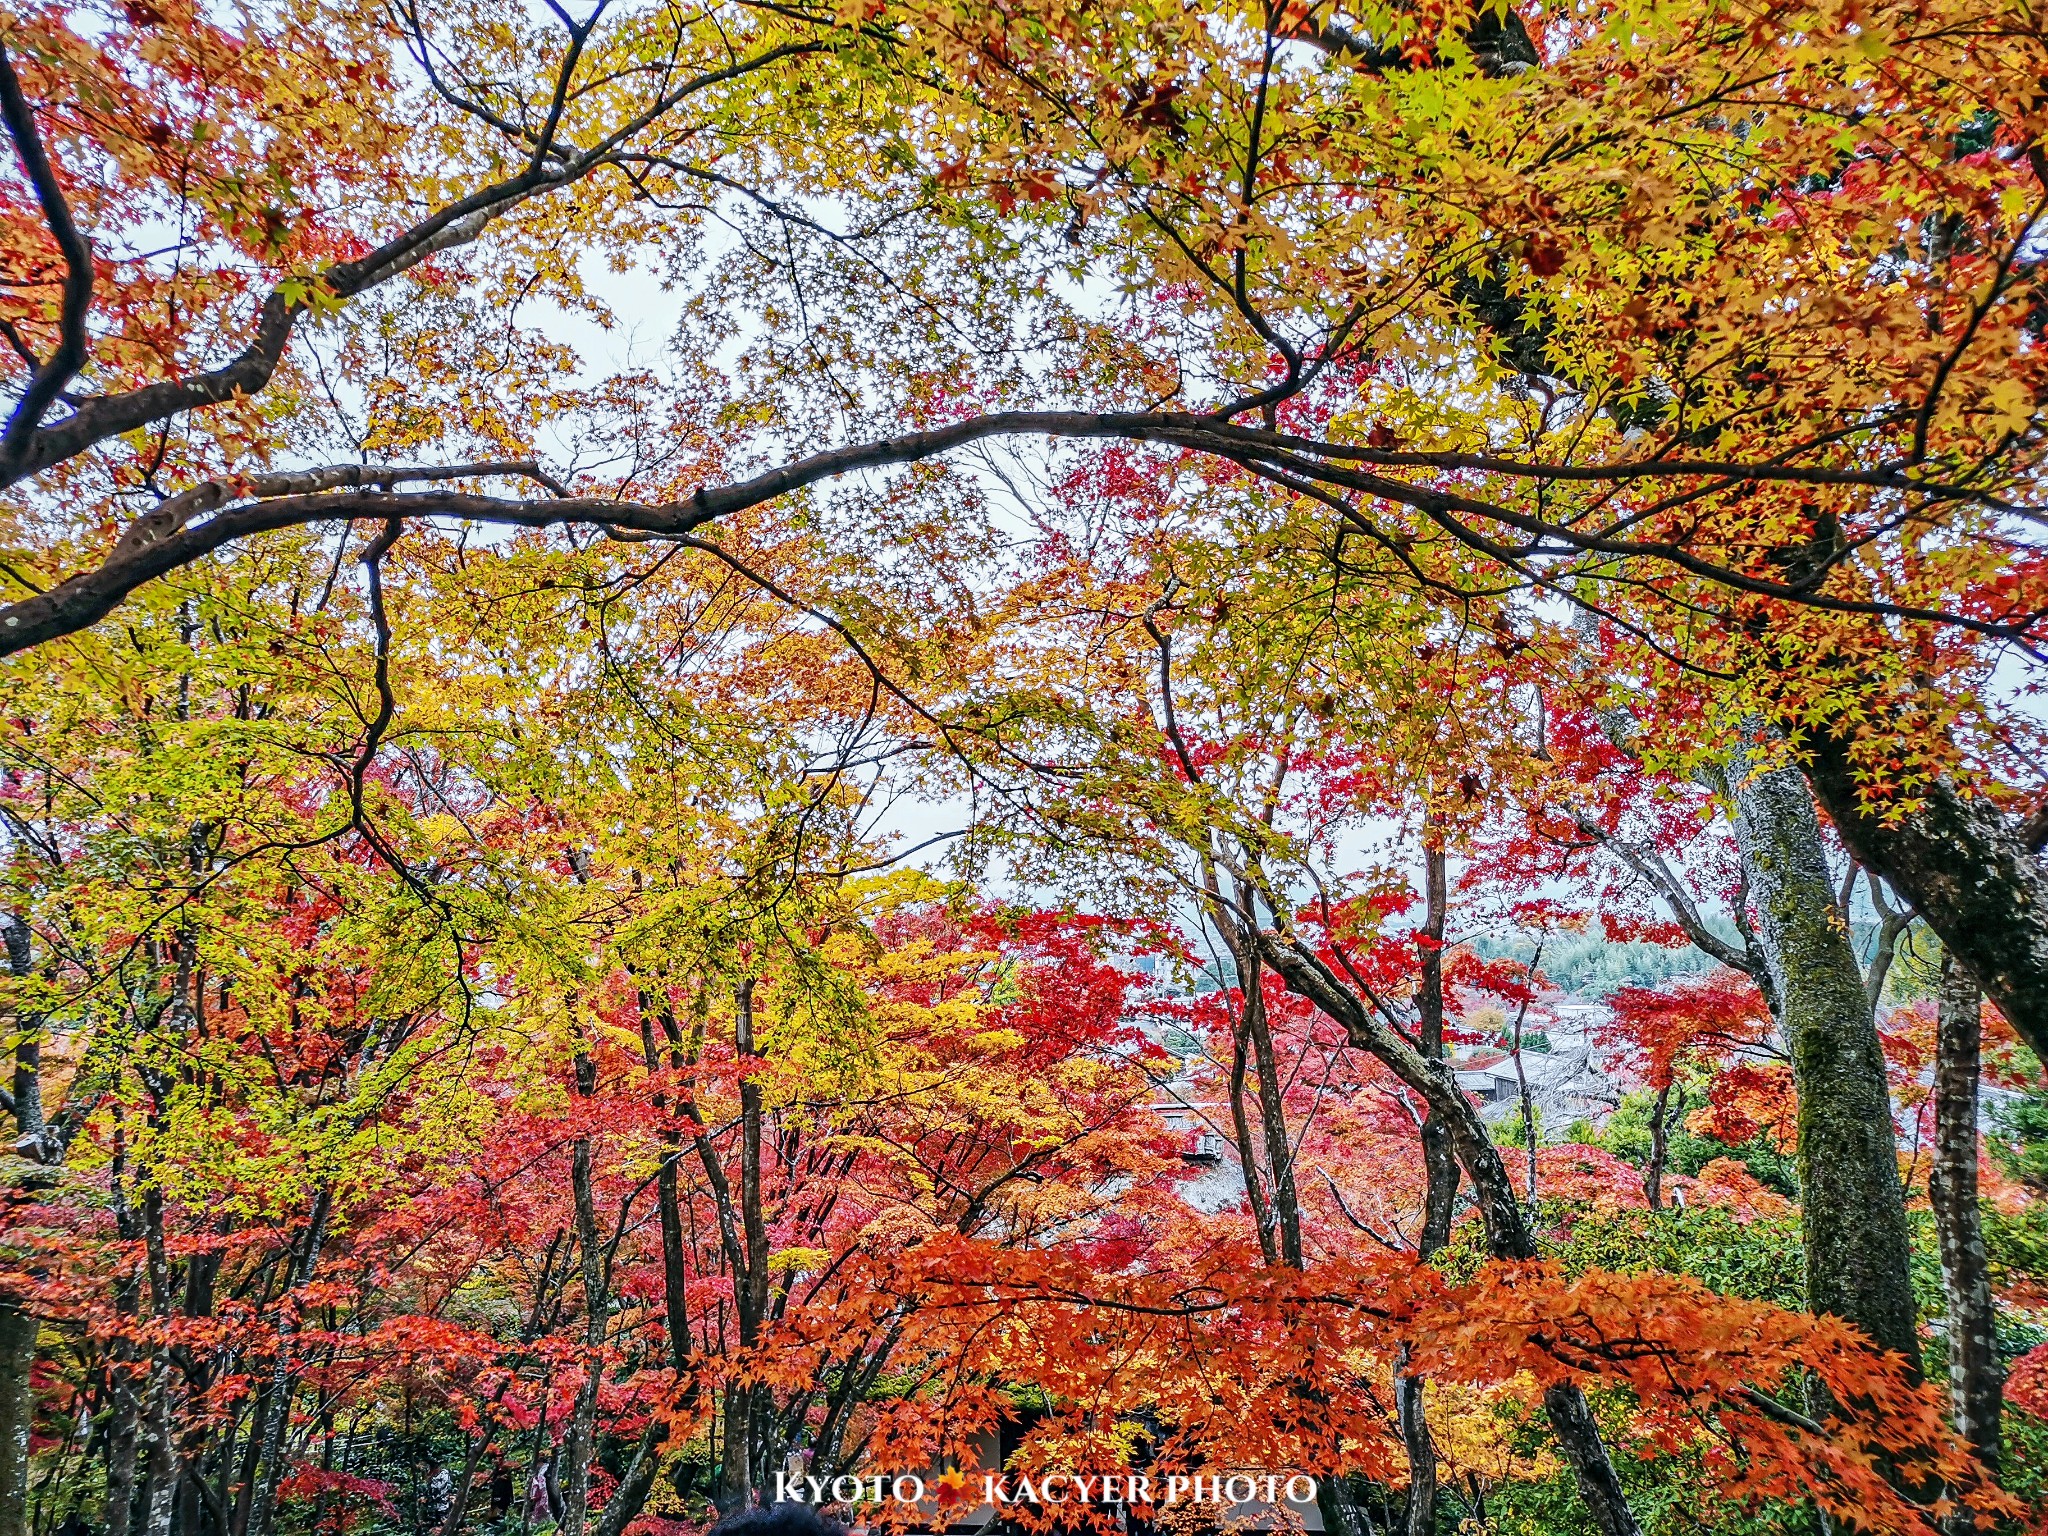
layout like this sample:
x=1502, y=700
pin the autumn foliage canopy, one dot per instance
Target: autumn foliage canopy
x=754, y=740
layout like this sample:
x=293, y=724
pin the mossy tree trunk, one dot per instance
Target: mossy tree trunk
x=1853, y=1204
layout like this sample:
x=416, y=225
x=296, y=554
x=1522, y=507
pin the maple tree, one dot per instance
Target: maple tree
x=599, y=973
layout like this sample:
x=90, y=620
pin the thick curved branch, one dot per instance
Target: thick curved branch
x=166, y=538
x=36, y=448
x=48, y=379
x=1964, y=864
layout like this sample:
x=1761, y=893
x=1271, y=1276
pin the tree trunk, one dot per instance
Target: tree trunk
x=472, y=1463
x=197, y=1368
x=278, y=1409
x=1528, y=1100
x=1420, y=1519
x=123, y=1357
x=1429, y=943
x=1975, y=1388
x=19, y=1326
x=18, y=1329
x=158, y=1460
x=1974, y=874
x=1232, y=920
x=1439, y=1199
x=28, y=1049
x=160, y=1466
x=754, y=1224
x=1852, y=1203
x=1660, y=1149
x=244, y=1473
x=750, y=1274
x=1247, y=1149
x=121, y=1427
x=1507, y=1230
x=668, y=1190
x=1273, y=1117
x=581, y=1441
x=630, y=1497
x=1440, y=1196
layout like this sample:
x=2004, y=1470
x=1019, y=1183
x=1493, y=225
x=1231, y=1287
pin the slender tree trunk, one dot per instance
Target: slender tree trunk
x=1247, y=1148
x=1440, y=1194
x=1338, y=1518
x=1273, y=1117
x=158, y=1459
x=1852, y=1202
x=277, y=1411
x=18, y=1329
x=1660, y=1149
x=1232, y=927
x=674, y=1255
x=754, y=1227
x=245, y=1478
x=18, y=1324
x=1528, y=1100
x=1439, y=1200
x=630, y=1497
x=123, y=1368
x=201, y=1272
x=580, y=1443
x=668, y=1192
x=472, y=1462
x=1974, y=1378
x=730, y=1487
x=747, y=1249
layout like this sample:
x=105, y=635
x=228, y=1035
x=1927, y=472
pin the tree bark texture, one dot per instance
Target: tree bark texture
x=581, y=1442
x=18, y=1329
x=1660, y=1149
x=1853, y=1204
x=1247, y=1154
x=1974, y=1377
x=1273, y=1118
x=1972, y=872
x=1439, y=1202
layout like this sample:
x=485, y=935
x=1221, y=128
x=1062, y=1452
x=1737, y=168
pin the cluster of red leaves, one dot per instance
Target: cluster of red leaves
x=2026, y=1384
x=1249, y=1366
x=1729, y=1184
x=338, y=1503
x=1653, y=1029
x=1746, y=1101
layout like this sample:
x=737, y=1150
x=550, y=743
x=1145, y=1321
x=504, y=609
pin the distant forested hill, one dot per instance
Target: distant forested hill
x=1591, y=966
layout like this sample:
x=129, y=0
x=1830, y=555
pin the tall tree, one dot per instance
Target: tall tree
x=1975, y=1371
